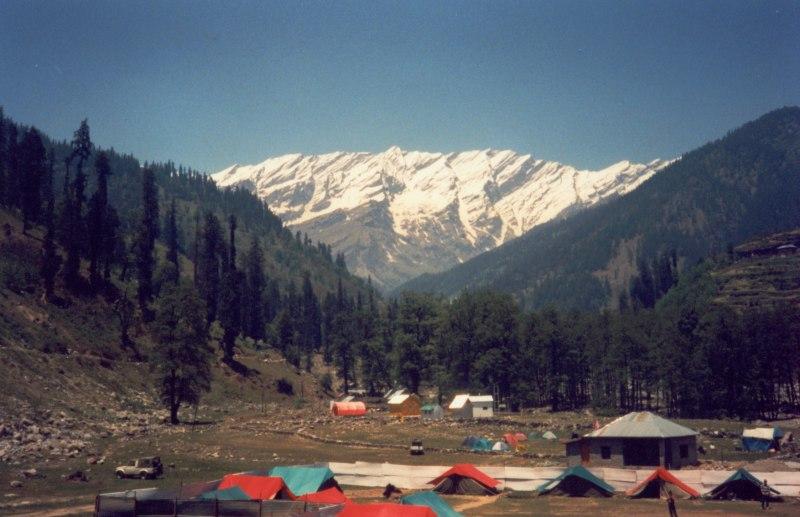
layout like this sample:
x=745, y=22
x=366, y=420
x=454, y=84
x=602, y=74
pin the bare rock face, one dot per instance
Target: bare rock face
x=398, y=214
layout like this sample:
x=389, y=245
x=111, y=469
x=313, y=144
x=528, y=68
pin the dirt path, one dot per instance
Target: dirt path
x=474, y=501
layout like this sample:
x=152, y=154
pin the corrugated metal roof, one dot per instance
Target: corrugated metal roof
x=762, y=433
x=642, y=424
x=398, y=399
x=481, y=398
x=459, y=401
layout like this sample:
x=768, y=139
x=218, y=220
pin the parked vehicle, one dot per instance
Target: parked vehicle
x=142, y=468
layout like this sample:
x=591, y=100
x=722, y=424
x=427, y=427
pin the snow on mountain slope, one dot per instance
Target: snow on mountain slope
x=398, y=214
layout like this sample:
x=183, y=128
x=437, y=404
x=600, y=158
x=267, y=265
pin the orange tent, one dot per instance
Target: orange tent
x=386, y=510
x=258, y=487
x=659, y=483
x=330, y=496
x=511, y=439
x=348, y=409
x=464, y=478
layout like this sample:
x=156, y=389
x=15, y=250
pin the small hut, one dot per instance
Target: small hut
x=405, y=404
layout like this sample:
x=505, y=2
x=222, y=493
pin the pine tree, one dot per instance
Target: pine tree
x=12, y=172
x=182, y=356
x=51, y=260
x=254, y=289
x=33, y=168
x=171, y=237
x=97, y=221
x=208, y=265
x=3, y=158
x=75, y=197
x=229, y=309
x=147, y=233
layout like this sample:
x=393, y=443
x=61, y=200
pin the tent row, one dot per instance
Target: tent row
x=577, y=481
x=509, y=441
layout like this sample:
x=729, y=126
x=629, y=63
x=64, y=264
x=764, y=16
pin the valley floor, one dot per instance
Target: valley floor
x=281, y=435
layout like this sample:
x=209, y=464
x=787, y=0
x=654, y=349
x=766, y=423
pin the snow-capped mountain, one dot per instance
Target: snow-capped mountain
x=398, y=214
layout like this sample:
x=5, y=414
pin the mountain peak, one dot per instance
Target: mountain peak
x=399, y=213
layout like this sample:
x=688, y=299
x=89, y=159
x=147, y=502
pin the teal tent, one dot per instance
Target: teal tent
x=305, y=480
x=577, y=482
x=741, y=485
x=432, y=501
x=233, y=493
x=481, y=444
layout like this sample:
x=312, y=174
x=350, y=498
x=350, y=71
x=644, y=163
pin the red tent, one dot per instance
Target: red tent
x=258, y=487
x=386, y=510
x=659, y=483
x=521, y=437
x=464, y=478
x=511, y=439
x=349, y=409
x=330, y=496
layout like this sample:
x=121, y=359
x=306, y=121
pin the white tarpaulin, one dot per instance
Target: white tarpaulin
x=529, y=478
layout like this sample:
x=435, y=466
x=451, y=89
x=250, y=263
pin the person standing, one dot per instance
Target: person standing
x=765, y=494
x=671, y=504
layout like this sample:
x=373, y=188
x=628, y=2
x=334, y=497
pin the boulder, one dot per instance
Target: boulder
x=16, y=484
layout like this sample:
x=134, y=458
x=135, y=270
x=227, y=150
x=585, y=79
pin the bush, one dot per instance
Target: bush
x=284, y=387
x=326, y=382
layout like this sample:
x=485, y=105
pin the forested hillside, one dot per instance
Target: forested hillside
x=152, y=264
x=727, y=191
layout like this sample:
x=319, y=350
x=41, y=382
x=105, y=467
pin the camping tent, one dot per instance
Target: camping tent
x=233, y=493
x=405, y=404
x=258, y=487
x=659, y=483
x=469, y=441
x=521, y=437
x=465, y=479
x=549, y=435
x=348, y=408
x=329, y=496
x=432, y=501
x=741, y=485
x=577, y=482
x=432, y=412
x=761, y=438
x=511, y=439
x=481, y=445
x=500, y=447
x=305, y=480
x=385, y=510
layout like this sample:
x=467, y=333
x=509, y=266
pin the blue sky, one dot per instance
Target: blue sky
x=212, y=83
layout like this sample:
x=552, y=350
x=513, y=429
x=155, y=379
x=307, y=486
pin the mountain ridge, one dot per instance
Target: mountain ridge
x=729, y=190
x=397, y=213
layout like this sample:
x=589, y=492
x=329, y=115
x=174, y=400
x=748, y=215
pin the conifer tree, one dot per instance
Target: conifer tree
x=171, y=238
x=75, y=197
x=147, y=233
x=3, y=158
x=97, y=221
x=33, y=168
x=254, y=290
x=208, y=265
x=51, y=261
x=229, y=309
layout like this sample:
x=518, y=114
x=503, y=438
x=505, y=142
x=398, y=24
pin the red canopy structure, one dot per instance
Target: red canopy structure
x=329, y=496
x=349, y=409
x=661, y=481
x=511, y=439
x=464, y=478
x=258, y=487
x=386, y=510
x=521, y=437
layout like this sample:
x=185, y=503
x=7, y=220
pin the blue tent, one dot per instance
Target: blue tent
x=482, y=444
x=761, y=439
x=432, y=501
x=305, y=480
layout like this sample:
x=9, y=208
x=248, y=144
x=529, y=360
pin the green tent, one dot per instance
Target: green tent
x=577, y=482
x=481, y=444
x=305, y=480
x=741, y=485
x=432, y=501
x=233, y=493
